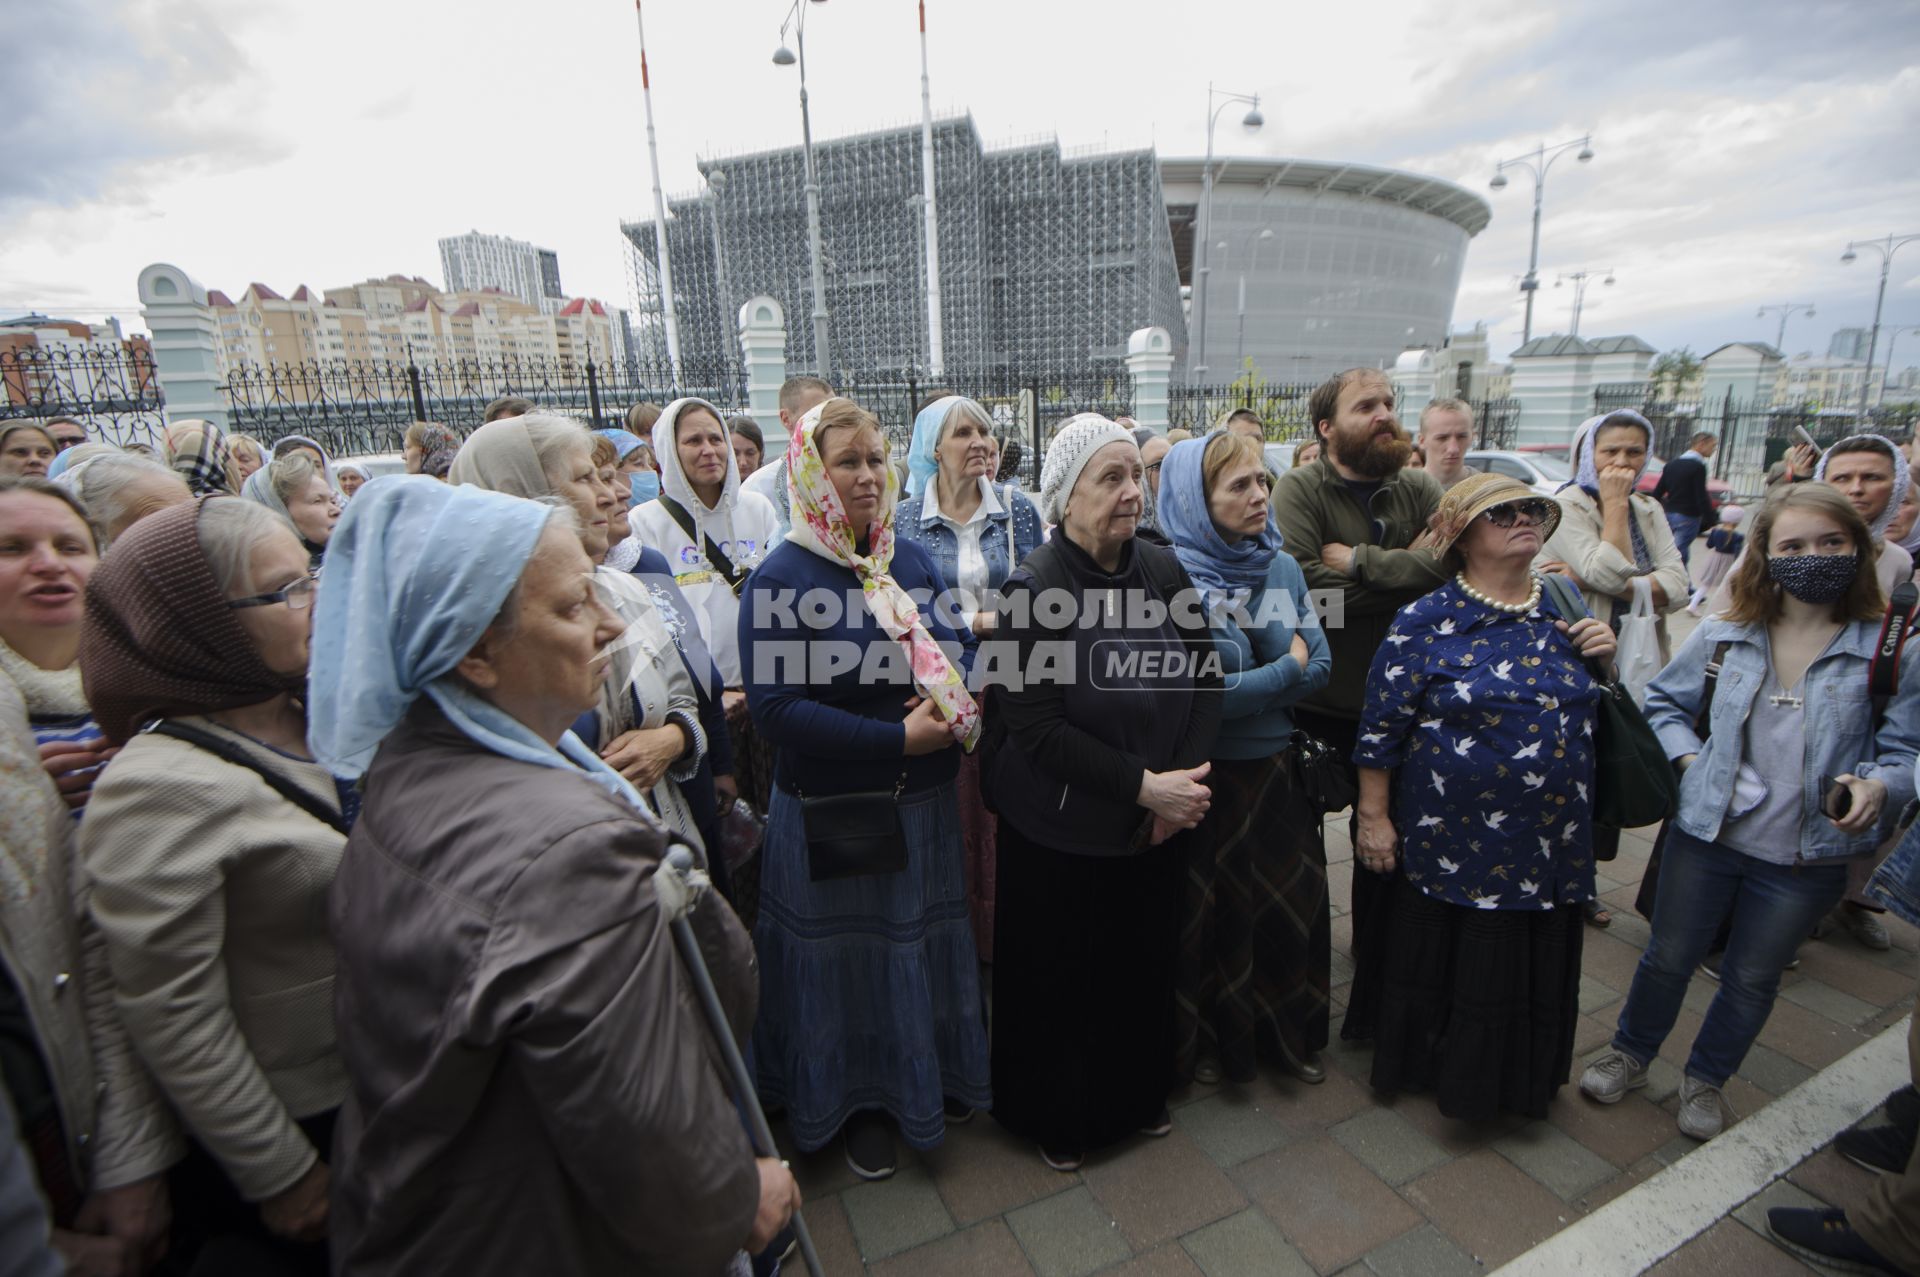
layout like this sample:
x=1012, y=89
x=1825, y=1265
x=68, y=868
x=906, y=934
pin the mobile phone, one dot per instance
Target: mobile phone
x=1836, y=800
x=1800, y=433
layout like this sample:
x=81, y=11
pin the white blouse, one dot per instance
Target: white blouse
x=972, y=585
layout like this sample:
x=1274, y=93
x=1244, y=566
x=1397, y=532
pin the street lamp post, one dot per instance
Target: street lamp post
x=1537, y=162
x=936, y=352
x=1251, y=121
x=1580, y=280
x=668, y=316
x=716, y=183
x=1785, y=311
x=783, y=56
x=1253, y=240
x=1886, y=248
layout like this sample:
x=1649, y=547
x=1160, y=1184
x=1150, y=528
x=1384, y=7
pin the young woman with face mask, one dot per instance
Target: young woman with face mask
x=1792, y=780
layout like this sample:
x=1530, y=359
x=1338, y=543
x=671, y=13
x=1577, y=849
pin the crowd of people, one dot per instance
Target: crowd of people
x=335, y=805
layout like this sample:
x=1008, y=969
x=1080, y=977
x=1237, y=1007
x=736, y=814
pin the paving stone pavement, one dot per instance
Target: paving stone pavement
x=1277, y=1178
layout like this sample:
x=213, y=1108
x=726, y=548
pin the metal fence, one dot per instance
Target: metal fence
x=112, y=390
x=356, y=408
x=1752, y=435
x=1282, y=408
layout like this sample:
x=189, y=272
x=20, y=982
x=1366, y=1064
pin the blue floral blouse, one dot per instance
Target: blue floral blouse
x=1488, y=718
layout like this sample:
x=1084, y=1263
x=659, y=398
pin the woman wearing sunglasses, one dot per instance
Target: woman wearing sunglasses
x=1476, y=776
x=211, y=841
x=1610, y=537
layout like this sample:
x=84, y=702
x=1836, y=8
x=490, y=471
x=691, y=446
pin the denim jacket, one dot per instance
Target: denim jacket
x=1839, y=729
x=1010, y=537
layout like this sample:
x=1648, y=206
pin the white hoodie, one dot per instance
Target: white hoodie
x=742, y=524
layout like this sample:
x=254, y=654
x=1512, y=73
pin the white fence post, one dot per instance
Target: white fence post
x=1150, y=365
x=763, y=347
x=186, y=344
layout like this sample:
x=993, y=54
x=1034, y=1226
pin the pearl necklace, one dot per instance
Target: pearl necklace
x=1518, y=609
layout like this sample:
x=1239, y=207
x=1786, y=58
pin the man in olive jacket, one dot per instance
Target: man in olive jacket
x=1356, y=519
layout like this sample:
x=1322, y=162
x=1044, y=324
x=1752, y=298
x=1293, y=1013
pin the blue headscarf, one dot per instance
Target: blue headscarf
x=646, y=483
x=922, y=465
x=396, y=613
x=1218, y=567
x=624, y=442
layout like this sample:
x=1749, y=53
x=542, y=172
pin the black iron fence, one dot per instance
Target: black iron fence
x=1752, y=435
x=357, y=408
x=1282, y=408
x=114, y=391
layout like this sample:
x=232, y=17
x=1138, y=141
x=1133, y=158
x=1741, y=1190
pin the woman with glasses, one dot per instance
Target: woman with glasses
x=1476, y=776
x=1609, y=538
x=211, y=841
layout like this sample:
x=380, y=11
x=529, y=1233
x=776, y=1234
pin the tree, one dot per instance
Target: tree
x=1674, y=371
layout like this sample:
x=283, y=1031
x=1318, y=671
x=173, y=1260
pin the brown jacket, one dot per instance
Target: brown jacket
x=533, y=1087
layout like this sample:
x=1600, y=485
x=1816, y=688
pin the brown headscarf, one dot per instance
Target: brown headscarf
x=158, y=638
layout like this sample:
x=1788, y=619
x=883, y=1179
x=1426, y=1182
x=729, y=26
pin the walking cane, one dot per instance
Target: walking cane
x=678, y=884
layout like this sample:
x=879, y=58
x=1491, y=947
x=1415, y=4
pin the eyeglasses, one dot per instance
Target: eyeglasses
x=1534, y=510
x=297, y=596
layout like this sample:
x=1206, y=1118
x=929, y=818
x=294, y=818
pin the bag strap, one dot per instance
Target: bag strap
x=721, y=563
x=1703, y=721
x=228, y=752
x=1883, y=673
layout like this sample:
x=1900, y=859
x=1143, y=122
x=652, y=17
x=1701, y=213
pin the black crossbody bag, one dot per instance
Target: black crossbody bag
x=735, y=578
x=227, y=752
x=854, y=835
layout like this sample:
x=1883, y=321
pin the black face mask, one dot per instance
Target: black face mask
x=1814, y=578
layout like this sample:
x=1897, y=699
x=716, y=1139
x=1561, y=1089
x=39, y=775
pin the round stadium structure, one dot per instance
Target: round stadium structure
x=1317, y=266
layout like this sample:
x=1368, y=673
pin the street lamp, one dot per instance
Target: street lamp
x=785, y=57
x=669, y=317
x=1253, y=240
x=1537, y=162
x=716, y=183
x=1580, y=279
x=1886, y=248
x=1785, y=311
x=1251, y=122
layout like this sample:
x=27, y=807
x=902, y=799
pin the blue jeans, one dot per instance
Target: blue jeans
x=1685, y=528
x=1774, y=907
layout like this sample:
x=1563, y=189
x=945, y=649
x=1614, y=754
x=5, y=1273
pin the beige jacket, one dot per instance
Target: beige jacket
x=118, y=1128
x=1605, y=574
x=211, y=890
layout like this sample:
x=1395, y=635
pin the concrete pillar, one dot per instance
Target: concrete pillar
x=1415, y=376
x=763, y=349
x=186, y=344
x=1555, y=391
x=1150, y=365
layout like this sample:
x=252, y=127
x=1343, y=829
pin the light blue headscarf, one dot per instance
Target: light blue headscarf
x=624, y=442
x=645, y=484
x=1218, y=567
x=396, y=613
x=927, y=427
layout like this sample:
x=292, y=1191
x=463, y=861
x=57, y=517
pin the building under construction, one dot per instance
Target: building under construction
x=1047, y=260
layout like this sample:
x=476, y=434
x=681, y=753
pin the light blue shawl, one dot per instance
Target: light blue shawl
x=1219, y=568
x=928, y=426
x=397, y=610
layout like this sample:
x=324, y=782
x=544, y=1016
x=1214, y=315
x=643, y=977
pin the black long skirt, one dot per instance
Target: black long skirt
x=1478, y=1006
x=1082, y=990
x=1255, y=937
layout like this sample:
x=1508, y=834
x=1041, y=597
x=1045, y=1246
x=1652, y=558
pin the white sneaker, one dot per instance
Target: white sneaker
x=1611, y=1076
x=1702, y=1109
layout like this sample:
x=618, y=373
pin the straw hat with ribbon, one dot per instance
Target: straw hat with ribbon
x=1473, y=496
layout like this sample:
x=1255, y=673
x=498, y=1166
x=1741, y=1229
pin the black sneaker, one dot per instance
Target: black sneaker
x=1884, y=1150
x=1903, y=1110
x=870, y=1146
x=1064, y=1160
x=958, y=1114
x=1159, y=1126
x=1826, y=1237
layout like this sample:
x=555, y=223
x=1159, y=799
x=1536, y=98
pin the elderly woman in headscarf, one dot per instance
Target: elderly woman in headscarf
x=1476, y=760
x=120, y=488
x=632, y=459
x=1256, y=939
x=350, y=475
x=872, y=988
x=1104, y=732
x=647, y=722
x=197, y=451
x=210, y=841
x=244, y=456
x=296, y=488
x=79, y=452
x=977, y=532
x=429, y=449
x=530, y=1087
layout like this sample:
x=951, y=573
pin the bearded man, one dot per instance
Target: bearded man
x=1356, y=520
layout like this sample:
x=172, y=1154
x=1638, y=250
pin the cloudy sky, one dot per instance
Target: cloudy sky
x=1740, y=143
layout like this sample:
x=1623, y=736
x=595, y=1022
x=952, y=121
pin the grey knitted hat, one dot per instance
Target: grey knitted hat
x=1078, y=439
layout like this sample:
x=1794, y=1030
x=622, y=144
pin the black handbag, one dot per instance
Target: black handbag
x=1633, y=782
x=854, y=835
x=1326, y=780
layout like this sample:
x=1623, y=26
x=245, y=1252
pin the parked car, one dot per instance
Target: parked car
x=381, y=464
x=1543, y=473
x=1279, y=456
